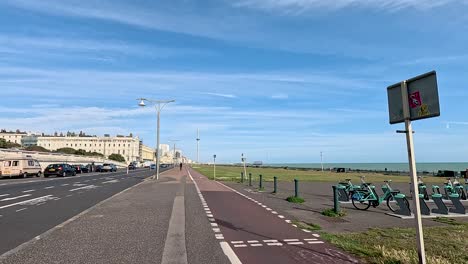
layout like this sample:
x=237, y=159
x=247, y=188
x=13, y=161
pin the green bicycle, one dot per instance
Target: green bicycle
x=366, y=197
x=349, y=187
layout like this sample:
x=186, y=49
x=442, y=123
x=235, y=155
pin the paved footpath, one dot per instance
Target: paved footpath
x=258, y=234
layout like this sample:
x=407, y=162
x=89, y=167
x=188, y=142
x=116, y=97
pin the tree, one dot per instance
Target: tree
x=4, y=144
x=117, y=157
x=66, y=150
x=37, y=148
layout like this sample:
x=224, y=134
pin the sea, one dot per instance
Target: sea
x=427, y=167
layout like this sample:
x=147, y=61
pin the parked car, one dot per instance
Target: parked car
x=22, y=167
x=108, y=167
x=84, y=169
x=164, y=165
x=153, y=166
x=98, y=168
x=59, y=170
x=131, y=167
x=77, y=168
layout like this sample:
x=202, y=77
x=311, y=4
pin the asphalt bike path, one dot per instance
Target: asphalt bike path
x=257, y=233
x=155, y=221
x=29, y=209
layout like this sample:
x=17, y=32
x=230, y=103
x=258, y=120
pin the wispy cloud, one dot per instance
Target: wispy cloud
x=298, y=6
x=221, y=95
x=280, y=96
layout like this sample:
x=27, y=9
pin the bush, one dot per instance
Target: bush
x=294, y=199
x=117, y=157
x=331, y=213
x=4, y=144
x=37, y=148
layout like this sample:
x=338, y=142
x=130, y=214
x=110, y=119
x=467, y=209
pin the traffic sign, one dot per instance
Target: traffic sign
x=423, y=98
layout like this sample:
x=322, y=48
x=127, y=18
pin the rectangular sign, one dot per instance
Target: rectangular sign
x=423, y=98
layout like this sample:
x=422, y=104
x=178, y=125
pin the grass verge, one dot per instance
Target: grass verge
x=307, y=226
x=294, y=199
x=331, y=213
x=233, y=173
x=444, y=244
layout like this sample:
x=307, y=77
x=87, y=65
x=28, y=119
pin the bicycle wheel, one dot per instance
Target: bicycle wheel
x=392, y=204
x=359, y=202
x=461, y=194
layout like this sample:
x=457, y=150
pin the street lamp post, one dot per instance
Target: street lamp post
x=159, y=105
x=214, y=167
x=243, y=162
x=321, y=159
x=174, y=158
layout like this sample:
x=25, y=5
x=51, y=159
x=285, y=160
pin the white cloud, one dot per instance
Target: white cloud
x=221, y=95
x=298, y=6
x=280, y=96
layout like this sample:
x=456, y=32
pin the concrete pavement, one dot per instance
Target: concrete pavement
x=140, y=225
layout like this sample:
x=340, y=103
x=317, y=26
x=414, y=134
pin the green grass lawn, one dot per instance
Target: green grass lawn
x=232, y=173
x=444, y=245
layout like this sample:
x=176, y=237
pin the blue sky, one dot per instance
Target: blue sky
x=278, y=80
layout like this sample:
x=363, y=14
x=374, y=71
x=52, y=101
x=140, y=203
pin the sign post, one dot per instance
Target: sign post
x=414, y=99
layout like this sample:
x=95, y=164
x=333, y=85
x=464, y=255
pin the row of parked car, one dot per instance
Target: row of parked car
x=27, y=166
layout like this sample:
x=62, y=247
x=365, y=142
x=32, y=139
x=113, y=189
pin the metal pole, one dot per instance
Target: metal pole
x=413, y=173
x=296, y=188
x=198, y=145
x=260, y=184
x=250, y=179
x=214, y=169
x=157, y=143
x=242, y=177
x=275, y=184
x=321, y=159
x=243, y=160
x=336, y=203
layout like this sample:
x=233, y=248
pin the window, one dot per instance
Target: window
x=123, y=152
x=31, y=163
x=7, y=163
x=15, y=163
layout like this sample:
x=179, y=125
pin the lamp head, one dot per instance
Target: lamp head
x=214, y=156
x=142, y=102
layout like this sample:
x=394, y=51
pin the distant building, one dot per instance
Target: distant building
x=13, y=137
x=29, y=140
x=128, y=147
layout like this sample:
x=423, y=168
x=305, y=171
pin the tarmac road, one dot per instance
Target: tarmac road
x=29, y=207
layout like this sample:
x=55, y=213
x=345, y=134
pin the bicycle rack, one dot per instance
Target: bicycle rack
x=404, y=209
x=424, y=208
x=343, y=196
x=459, y=208
x=441, y=207
x=435, y=189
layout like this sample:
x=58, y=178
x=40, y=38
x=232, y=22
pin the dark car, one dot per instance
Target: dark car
x=77, y=168
x=131, y=167
x=98, y=168
x=84, y=169
x=59, y=170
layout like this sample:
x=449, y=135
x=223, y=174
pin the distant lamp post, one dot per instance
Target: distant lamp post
x=321, y=159
x=214, y=167
x=159, y=105
x=243, y=162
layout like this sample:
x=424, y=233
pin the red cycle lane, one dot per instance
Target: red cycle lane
x=257, y=234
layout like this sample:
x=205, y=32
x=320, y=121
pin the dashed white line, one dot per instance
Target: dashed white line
x=290, y=240
x=65, y=184
x=214, y=224
x=256, y=245
x=2, y=195
x=216, y=230
x=295, y=243
x=252, y=241
x=315, y=242
x=280, y=216
x=22, y=209
x=270, y=241
x=310, y=239
x=307, y=231
x=27, y=191
x=274, y=212
x=49, y=187
x=274, y=244
x=14, y=198
x=316, y=235
x=238, y=246
x=237, y=242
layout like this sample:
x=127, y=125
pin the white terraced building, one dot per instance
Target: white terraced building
x=128, y=147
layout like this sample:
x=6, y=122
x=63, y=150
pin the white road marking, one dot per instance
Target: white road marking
x=238, y=246
x=2, y=195
x=14, y=198
x=256, y=245
x=269, y=209
x=65, y=184
x=316, y=235
x=214, y=224
x=237, y=242
x=252, y=241
x=113, y=181
x=310, y=239
x=209, y=215
x=216, y=230
x=294, y=225
x=290, y=240
x=274, y=212
x=316, y=242
x=305, y=230
x=230, y=253
x=49, y=187
x=280, y=216
x=295, y=243
x=89, y=187
x=288, y=221
x=79, y=184
x=28, y=191
x=270, y=241
x=26, y=202
x=211, y=219
x=22, y=209
x=274, y=244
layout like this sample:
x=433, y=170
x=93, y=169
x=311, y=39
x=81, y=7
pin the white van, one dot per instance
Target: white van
x=22, y=167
